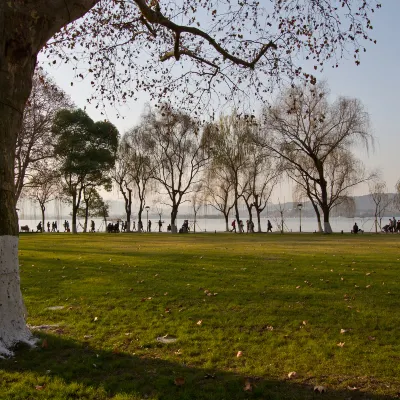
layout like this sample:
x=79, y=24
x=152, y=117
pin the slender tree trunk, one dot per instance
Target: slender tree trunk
x=174, y=214
x=74, y=212
x=226, y=222
x=318, y=214
x=237, y=216
x=259, y=220
x=324, y=206
x=43, y=209
x=86, y=217
x=129, y=211
x=140, y=223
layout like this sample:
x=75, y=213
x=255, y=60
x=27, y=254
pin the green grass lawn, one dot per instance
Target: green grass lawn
x=282, y=301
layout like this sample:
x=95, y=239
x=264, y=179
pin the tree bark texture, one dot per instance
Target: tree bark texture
x=25, y=26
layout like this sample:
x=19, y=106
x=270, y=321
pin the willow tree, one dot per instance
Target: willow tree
x=179, y=153
x=231, y=139
x=124, y=44
x=315, y=138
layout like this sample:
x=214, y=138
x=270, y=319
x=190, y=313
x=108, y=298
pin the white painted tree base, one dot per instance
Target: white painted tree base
x=328, y=228
x=13, y=328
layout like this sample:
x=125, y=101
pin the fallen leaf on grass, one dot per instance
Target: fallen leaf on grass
x=45, y=344
x=95, y=319
x=199, y=322
x=248, y=387
x=40, y=387
x=179, y=381
x=352, y=388
x=343, y=330
x=371, y=338
x=292, y=374
x=167, y=339
x=239, y=354
x=319, y=389
x=298, y=287
x=341, y=344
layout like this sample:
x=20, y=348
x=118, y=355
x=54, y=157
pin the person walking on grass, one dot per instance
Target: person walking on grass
x=269, y=226
x=233, y=225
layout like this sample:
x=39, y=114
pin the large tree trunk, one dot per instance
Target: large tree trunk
x=318, y=214
x=24, y=28
x=327, y=224
x=16, y=71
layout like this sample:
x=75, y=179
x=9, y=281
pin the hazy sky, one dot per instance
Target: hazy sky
x=376, y=82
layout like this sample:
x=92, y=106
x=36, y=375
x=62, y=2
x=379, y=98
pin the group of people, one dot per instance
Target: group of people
x=249, y=226
x=66, y=226
x=393, y=226
x=53, y=225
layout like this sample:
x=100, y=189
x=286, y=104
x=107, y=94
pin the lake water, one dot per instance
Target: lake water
x=217, y=224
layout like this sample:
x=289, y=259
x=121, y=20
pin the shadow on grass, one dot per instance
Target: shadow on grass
x=66, y=369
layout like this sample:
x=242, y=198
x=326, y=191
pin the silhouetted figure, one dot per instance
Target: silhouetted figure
x=92, y=226
x=39, y=227
x=355, y=228
x=269, y=226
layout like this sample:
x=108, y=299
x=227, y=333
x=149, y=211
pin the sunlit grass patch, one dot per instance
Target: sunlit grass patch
x=323, y=306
